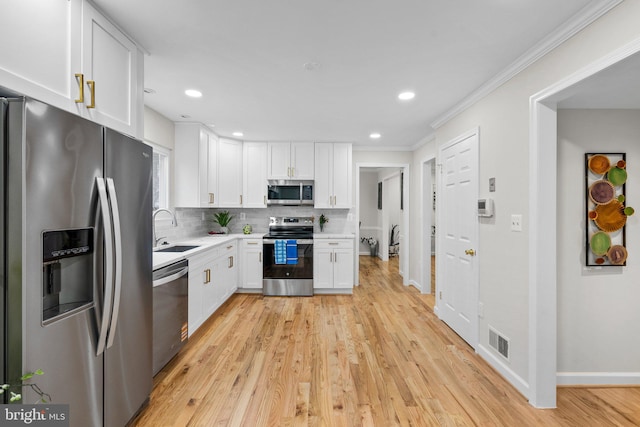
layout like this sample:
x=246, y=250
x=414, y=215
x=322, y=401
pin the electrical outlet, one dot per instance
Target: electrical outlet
x=516, y=222
x=243, y=216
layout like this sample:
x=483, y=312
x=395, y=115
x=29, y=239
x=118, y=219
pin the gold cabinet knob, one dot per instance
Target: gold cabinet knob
x=470, y=252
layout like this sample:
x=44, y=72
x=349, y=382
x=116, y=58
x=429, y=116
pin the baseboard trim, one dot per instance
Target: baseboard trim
x=598, y=378
x=415, y=285
x=496, y=363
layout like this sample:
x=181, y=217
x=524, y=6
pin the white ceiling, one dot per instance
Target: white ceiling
x=247, y=57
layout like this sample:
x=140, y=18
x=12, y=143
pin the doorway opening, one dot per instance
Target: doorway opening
x=543, y=267
x=382, y=209
x=429, y=229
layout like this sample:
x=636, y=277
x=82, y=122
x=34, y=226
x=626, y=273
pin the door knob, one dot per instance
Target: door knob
x=470, y=252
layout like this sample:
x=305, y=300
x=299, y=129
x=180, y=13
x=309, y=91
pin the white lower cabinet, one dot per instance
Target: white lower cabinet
x=213, y=278
x=251, y=263
x=333, y=264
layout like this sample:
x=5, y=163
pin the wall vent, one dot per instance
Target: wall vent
x=499, y=342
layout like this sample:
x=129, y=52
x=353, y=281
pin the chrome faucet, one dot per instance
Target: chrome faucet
x=174, y=222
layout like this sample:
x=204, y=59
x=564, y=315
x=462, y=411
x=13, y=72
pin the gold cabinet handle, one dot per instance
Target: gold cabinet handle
x=80, y=79
x=231, y=261
x=241, y=199
x=207, y=276
x=260, y=257
x=470, y=252
x=92, y=87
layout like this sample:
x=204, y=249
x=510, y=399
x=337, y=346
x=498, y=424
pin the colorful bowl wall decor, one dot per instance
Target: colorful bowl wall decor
x=606, y=209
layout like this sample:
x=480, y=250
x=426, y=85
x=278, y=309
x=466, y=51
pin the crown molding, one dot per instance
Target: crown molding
x=578, y=22
x=389, y=148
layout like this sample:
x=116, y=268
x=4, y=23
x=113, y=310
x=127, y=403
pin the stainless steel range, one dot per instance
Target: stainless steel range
x=288, y=257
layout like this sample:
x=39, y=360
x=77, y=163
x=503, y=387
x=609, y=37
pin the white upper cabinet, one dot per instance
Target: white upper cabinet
x=57, y=54
x=333, y=176
x=41, y=51
x=290, y=160
x=113, y=74
x=254, y=178
x=229, y=173
x=195, y=157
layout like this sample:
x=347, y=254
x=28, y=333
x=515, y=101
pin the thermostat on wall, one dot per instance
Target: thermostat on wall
x=485, y=207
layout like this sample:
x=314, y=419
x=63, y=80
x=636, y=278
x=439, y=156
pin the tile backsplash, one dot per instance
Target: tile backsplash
x=197, y=222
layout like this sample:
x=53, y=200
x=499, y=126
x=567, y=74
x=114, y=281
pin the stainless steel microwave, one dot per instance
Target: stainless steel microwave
x=290, y=193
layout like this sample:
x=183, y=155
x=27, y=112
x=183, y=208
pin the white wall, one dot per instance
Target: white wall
x=158, y=129
x=598, y=315
x=391, y=213
x=503, y=120
x=368, y=208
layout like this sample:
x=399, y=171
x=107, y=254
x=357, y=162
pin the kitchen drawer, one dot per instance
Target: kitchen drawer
x=333, y=244
x=206, y=254
x=227, y=249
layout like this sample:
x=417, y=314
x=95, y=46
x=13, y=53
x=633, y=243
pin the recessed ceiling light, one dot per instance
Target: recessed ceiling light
x=237, y=134
x=185, y=116
x=405, y=96
x=375, y=135
x=149, y=90
x=312, y=66
x=193, y=93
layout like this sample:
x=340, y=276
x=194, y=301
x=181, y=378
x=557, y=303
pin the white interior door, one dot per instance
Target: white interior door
x=457, y=284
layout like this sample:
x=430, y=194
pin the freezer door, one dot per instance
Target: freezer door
x=54, y=165
x=128, y=361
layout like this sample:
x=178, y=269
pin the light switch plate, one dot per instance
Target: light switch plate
x=516, y=222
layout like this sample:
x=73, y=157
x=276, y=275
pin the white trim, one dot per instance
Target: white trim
x=598, y=378
x=582, y=19
x=390, y=148
x=498, y=363
x=417, y=286
x=542, y=246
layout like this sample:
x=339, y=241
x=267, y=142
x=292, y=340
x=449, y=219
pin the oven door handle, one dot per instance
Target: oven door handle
x=298, y=241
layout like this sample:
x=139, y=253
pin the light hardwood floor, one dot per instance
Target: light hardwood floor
x=377, y=358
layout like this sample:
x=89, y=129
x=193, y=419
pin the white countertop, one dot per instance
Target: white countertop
x=162, y=259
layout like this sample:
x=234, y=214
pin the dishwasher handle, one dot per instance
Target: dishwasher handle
x=167, y=279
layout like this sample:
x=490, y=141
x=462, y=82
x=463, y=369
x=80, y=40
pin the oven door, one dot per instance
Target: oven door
x=290, y=277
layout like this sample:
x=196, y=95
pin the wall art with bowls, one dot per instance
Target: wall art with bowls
x=606, y=208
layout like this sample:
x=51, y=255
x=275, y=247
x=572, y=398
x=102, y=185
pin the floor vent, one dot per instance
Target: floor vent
x=499, y=342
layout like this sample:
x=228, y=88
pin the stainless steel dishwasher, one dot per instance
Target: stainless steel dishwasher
x=170, y=312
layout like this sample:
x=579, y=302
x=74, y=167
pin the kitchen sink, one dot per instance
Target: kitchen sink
x=177, y=248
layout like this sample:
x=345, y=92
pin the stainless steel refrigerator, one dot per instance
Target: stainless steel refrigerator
x=76, y=261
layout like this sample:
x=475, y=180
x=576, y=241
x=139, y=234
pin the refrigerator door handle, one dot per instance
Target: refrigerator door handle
x=108, y=283
x=117, y=237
